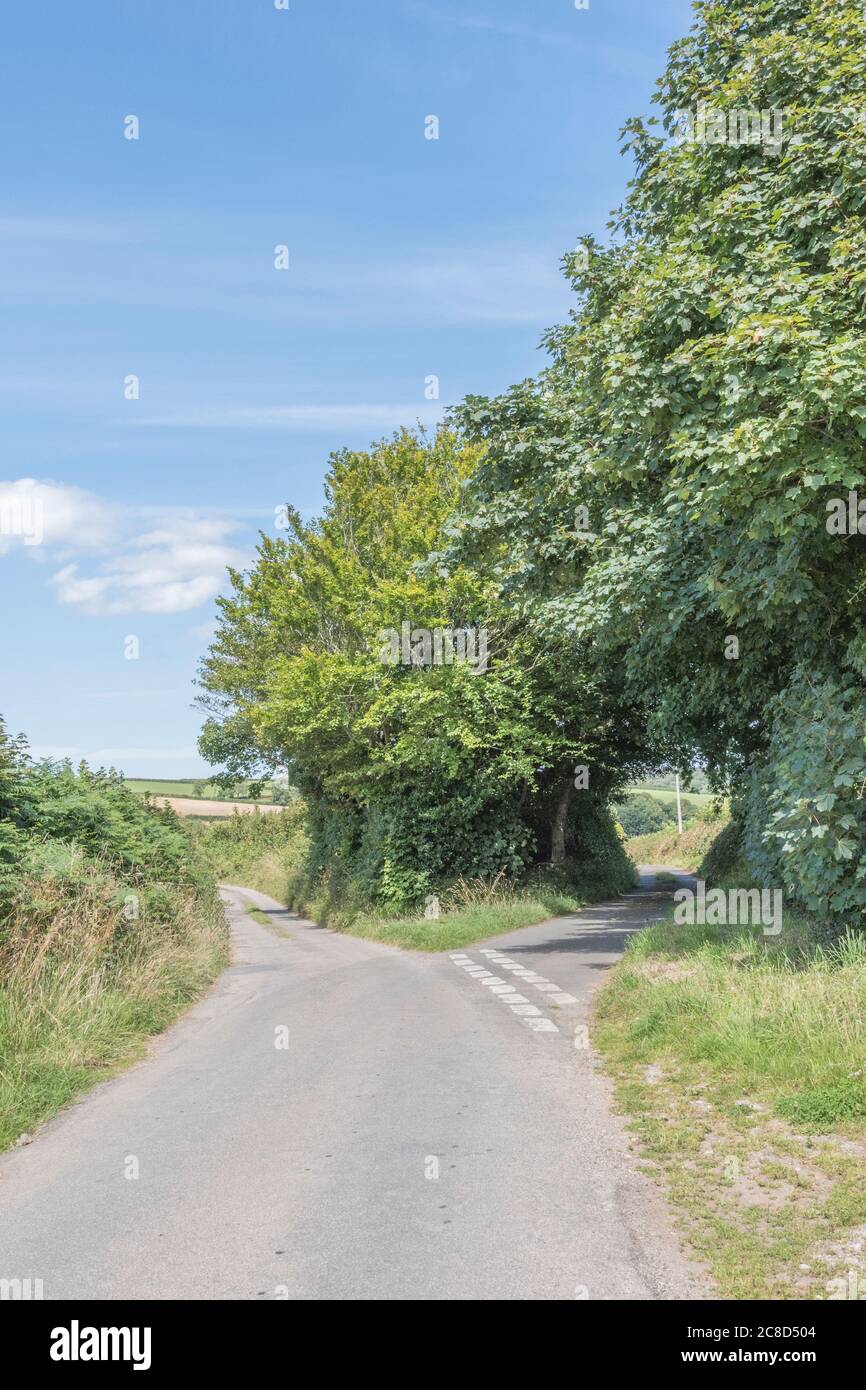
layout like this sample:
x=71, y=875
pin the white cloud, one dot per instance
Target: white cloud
x=49, y=228
x=171, y=570
x=35, y=514
x=178, y=565
x=611, y=57
x=487, y=283
x=486, y=280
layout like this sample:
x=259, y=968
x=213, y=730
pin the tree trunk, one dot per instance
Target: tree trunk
x=560, y=822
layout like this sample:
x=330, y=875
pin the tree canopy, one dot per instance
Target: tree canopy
x=655, y=533
x=705, y=405
x=422, y=769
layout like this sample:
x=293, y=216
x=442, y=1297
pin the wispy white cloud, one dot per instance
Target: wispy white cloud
x=172, y=570
x=614, y=57
x=131, y=693
x=112, y=567
x=484, y=280
x=60, y=228
x=204, y=631
x=486, y=283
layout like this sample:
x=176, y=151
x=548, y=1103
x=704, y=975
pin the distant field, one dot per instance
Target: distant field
x=689, y=799
x=190, y=787
x=666, y=782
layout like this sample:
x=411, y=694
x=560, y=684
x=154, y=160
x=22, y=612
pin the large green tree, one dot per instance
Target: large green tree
x=661, y=491
x=414, y=773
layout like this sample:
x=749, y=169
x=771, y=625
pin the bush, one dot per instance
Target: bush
x=641, y=814
x=686, y=851
x=109, y=926
x=723, y=854
x=802, y=812
x=330, y=866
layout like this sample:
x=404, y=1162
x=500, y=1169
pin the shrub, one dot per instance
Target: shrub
x=641, y=814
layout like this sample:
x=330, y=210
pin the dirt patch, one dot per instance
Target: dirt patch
x=666, y=971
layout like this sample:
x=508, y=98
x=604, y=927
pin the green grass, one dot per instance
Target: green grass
x=454, y=929
x=679, y=851
x=742, y=1062
x=160, y=788
x=667, y=782
x=821, y=1107
x=464, y=926
x=691, y=801
x=270, y=853
x=258, y=915
x=194, y=788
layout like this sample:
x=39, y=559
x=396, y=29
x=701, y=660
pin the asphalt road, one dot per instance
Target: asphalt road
x=339, y=1119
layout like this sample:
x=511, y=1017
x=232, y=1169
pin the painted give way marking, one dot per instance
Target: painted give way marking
x=507, y=992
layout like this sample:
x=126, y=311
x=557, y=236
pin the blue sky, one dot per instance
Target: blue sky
x=154, y=257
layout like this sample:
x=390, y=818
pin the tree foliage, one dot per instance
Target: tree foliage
x=706, y=405
x=414, y=774
x=643, y=528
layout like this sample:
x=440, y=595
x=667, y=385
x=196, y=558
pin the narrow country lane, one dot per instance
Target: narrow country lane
x=429, y=1130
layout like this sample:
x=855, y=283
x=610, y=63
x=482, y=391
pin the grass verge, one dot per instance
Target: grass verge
x=472, y=913
x=476, y=921
x=684, y=851
x=84, y=989
x=741, y=1060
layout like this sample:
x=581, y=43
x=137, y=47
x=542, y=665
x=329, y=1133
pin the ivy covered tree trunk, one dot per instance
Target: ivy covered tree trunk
x=559, y=824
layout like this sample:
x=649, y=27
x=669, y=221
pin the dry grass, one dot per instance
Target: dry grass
x=84, y=984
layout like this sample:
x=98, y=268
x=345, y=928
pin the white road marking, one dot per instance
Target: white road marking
x=539, y=982
x=530, y=1014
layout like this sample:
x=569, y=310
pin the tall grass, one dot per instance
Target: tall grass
x=88, y=972
x=267, y=851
